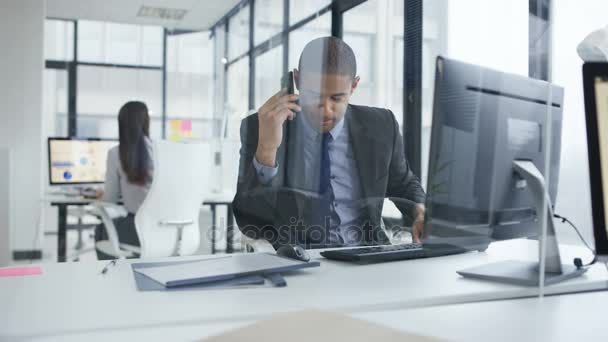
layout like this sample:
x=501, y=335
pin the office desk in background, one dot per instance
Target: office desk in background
x=216, y=199
x=73, y=299
x=62, y=203
x=222, y=199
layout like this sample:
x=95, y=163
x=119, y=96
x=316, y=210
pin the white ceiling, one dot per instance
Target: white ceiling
x=201, y=15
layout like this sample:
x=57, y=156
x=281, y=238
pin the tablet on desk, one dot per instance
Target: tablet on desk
x=222, y=268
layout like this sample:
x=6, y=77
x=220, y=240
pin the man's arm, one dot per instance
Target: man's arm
x=255, y=202
x=250, y=218
x=404, y=186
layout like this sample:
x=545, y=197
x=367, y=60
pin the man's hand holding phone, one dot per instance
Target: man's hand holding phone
x=271, y=116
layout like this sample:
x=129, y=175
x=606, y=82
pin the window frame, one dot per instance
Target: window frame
x=412, y=70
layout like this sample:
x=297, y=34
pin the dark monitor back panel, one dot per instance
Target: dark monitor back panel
x=484, y=119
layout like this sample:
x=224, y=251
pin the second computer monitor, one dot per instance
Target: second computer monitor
x=483, y=120
x=77, y=160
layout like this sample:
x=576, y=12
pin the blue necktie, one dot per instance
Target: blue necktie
x=324, y=204
x=325, y=171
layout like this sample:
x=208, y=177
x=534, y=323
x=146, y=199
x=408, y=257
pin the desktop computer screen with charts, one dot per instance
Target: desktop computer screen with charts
x=78, y=161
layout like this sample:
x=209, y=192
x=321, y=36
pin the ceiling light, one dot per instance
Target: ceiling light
x=161, y=13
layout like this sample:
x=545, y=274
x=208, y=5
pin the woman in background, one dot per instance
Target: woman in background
x=129, y=172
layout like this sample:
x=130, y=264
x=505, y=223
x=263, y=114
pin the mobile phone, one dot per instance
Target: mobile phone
x=287, y=82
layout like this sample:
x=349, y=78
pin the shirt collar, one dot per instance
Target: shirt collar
x=335, y=132
x=311, y=133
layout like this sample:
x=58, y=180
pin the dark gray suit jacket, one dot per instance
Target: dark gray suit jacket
x=270, y=211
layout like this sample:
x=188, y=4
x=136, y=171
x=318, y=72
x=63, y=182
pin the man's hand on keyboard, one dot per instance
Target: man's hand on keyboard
x=418, y=225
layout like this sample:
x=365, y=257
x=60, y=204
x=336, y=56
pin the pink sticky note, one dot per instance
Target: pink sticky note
x=186, y=125
x=20, y=271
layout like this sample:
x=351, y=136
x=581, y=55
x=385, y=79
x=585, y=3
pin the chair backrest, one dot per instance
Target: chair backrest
x=179, y=185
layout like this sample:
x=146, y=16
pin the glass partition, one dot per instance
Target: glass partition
x=299, y=10
x=450, y=30
x=103, y=42
x=319, y=27
x=317, y=168
x=190, y=83
x=269, y=77
x=268, y=19
x=314, y=168
x=102, y=91
x=59, y=40
x=335, y=164
x=238, y=33
x=56, y=102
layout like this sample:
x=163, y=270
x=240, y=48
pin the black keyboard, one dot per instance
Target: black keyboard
x=393, y=252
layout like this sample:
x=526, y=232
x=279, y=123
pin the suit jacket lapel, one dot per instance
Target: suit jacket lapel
x=364, y=147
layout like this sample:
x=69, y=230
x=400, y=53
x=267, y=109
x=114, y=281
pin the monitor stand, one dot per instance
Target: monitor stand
x=524, y=272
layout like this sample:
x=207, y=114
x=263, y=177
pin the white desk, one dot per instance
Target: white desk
x=573, y=317
x=71, y=299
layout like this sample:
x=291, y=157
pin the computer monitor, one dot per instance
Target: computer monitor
x=487, y=165
x=483, y=120
x=78, y=160
x=595, y=80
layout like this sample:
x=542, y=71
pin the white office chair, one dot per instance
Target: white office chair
x=80, y=213
x=167, y=222
x=107, y=211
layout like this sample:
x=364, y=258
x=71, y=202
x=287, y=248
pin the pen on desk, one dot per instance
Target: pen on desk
x=107, y=267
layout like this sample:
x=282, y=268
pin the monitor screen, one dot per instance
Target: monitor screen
x=78, y=161
x=601, y=100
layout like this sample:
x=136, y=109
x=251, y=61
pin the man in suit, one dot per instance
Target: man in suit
x=314, y=169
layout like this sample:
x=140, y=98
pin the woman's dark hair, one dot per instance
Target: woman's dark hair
x=133, y=129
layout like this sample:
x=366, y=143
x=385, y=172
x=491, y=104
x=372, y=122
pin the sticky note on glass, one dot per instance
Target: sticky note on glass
x=20, y=271
x=186, y=125
x=175, y=124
